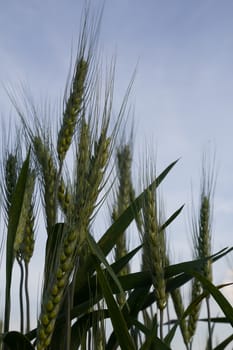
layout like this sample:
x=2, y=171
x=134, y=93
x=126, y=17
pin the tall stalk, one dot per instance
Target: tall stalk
x=202, y=231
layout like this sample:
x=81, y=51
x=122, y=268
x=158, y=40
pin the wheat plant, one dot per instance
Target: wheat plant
x=90, y=297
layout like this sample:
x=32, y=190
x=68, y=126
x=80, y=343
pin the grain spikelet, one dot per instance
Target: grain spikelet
x=54, y=293
x=194, y=315
x=19, y=236
x=64, y=198
x=72, y=109
x=179, y=309
x=10, y=176
x=48, y=178
x=123, y=199
x=154, y=250
x=27, y=245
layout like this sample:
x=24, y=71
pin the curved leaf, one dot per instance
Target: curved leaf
x=216, y=294
x=14, y=217
x=224, y=343
x=118, y=321
x=109, y=239
x=172, y=218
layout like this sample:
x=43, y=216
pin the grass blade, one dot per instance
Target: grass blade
x=101, y=258
x=14, y=216
x=118, y=321
x=109, y=239
x=224, y=343
x=152, y=341
x=217, y=295
x=172, y=218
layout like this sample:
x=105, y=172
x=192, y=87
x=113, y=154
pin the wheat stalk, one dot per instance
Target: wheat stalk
x=124, y=196
x=202, y=236
x=154, y=252
x=87, y=190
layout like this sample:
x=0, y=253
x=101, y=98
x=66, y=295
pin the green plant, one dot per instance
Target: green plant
x=83, y=292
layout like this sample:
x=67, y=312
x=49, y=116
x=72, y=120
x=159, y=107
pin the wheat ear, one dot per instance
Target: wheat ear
x=203, y=236
x=73, y=239
x=72, y=109
x=48, y=178
x=10, y=177
x=65, y=198
x=124, y=196
x=179, y=309
x=154, y=254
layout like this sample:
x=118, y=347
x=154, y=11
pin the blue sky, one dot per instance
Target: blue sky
x=182, y=95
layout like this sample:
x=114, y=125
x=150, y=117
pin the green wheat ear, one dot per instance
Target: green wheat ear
x=10, y=176
x=202, y=237
x=65, y=198
x=48, y=177
x=20, y=232
x=72, y=109
x=179, y=309
x=154, y=254
x=194, y=314
x=26, y=247
x=89, y=175
x=124, y=196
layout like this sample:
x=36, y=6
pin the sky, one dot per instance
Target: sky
x=182, y=51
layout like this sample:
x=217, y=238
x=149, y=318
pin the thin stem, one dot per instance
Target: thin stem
x=57, y=184
x=21, y=294
x=27, y=297
x=210, y=345
x=161, y=324
x=168, y=319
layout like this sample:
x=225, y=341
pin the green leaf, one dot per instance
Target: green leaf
x=187, y=266
x=84, y=323
x=169, y=337
x=215, y=320
x=203, y=296
x=17, y=341
x=119, y=325
x=95, y=249
x=14, y=216
x=224, y=343
x=91, y=285
x=109, y=239
x=119, y=264
x=151, y=337
x=216, y=294
x=130, y=311
x=171, y=218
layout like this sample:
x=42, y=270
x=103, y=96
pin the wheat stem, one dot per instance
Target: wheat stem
x=19, y=260
x=27, y=299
